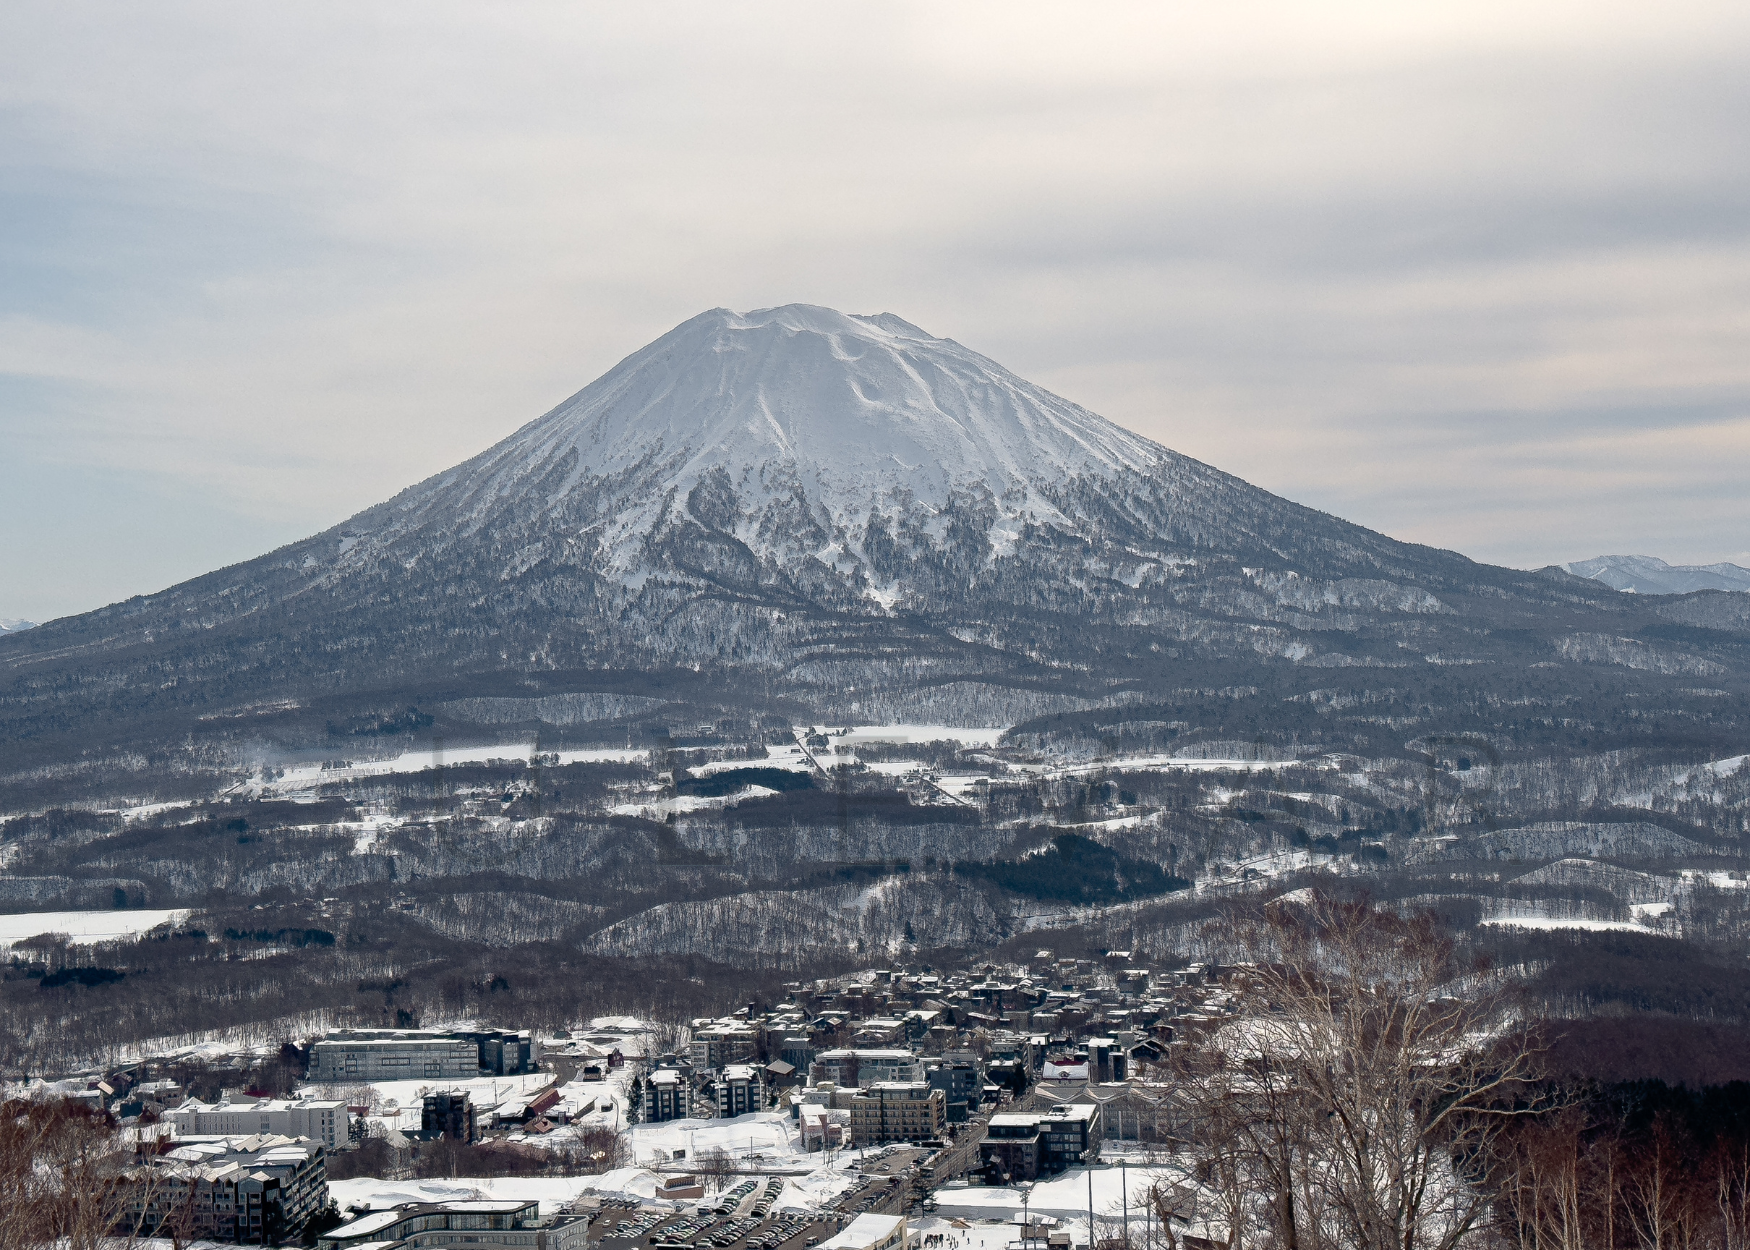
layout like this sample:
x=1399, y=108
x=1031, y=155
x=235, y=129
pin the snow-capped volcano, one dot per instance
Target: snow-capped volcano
x=855, y=415
x=809, y=502
x=863, y=405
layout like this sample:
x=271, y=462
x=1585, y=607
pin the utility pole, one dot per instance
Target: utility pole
x=1124, y=1182
x=1090, y=1207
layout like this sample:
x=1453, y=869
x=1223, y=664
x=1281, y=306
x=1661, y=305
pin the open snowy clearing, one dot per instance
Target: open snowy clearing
x=1063, y=1197
x=85, y=927
x=1175, y=763
x=769, y=1133
x=986, y=736
x=1557, y=922
x=419, y=761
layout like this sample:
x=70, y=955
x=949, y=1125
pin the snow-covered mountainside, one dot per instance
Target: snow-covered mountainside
x=842, y=514
x=11, y=625
x=1649, y=575
x=858, y=460
x=863, y=416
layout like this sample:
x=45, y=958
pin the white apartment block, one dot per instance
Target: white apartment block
x=322, y=1120
x=402, y=1055
x=859, y=1069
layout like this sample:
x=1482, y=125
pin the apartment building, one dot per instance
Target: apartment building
x=667, y=1096
x=1028, y=1145
x=394, y=1055
x=719, y=1043
x=257, y=1189
x=897, y=1111
x=322, y=1120
x=740, y=1090
x=863, y=1068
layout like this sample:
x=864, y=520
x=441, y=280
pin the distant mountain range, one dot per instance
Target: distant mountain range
x=1648, y=575
x=10, y=625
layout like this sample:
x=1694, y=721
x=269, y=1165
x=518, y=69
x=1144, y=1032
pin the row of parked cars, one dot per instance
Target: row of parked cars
x=733, y=1199
x=638, y=1227
x=774, y=1187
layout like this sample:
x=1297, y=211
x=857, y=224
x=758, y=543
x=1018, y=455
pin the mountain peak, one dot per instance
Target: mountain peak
x=861, y=414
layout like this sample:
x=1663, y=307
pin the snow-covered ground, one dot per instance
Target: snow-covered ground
x=400, y=1102
x=306, y=775
x=1064, y=1197
x=1562, y=922
x=790, y=757
x=986, y=736
x=553, y=1192
x=85, y=927
x=771, y=1134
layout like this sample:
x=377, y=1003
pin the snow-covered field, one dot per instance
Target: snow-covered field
x=981, y=737
x=1562, y=922
x=768, y=1133
x=1063, y=1197
x=417, y=761
x=85, y=926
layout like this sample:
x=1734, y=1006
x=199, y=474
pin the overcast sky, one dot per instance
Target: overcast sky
x=1473, y=274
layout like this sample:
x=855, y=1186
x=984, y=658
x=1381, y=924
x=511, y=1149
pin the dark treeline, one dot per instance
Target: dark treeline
x=1635, y=1164
x=384, y=968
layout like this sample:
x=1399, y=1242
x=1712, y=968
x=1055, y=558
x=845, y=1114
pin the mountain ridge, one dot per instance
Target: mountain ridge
x=1649, y=575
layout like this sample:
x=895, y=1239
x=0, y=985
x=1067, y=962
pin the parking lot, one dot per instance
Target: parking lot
x=665, y=1230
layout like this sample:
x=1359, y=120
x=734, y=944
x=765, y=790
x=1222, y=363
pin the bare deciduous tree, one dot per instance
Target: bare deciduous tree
x=1356, y=1100
x=62, y=1174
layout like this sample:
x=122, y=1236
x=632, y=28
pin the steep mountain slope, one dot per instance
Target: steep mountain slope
x=1649, y=575
x=799, y=510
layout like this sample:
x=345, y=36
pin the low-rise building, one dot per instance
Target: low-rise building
x=481, y=1224
x=897, y=1111
x=1026, y=1145
x=394, y=1055
x=320, y=1119
x=866, y=1067
x=870, y=1232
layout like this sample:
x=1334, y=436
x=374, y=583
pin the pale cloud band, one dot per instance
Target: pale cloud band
x=1475, y=275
